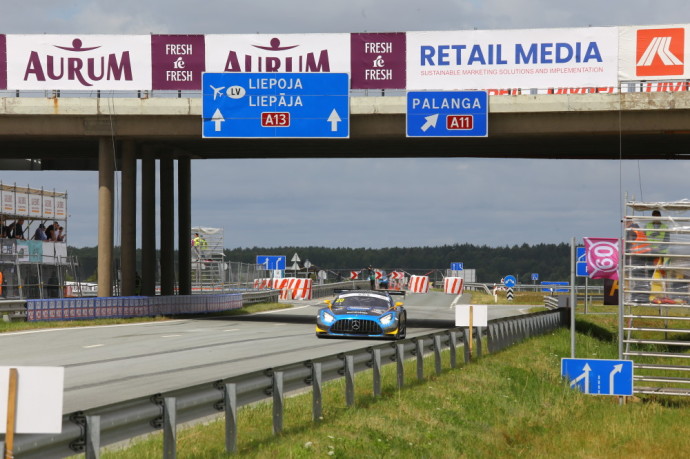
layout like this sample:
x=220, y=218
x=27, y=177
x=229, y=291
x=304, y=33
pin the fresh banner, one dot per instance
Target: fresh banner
x=531, y=58
x=654, y=52
x=79, y=62
x=297, y=53
x=602, y=257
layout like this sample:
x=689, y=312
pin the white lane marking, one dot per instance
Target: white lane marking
x=45, y=330
x=93, y=345
x=170, y=336
x=282, y=310
x=232, y=329
x=455, y=301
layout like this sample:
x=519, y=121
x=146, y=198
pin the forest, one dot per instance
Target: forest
x=550, y=261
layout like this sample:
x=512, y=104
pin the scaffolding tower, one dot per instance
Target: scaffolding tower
x=208, y=260
x=656, y=296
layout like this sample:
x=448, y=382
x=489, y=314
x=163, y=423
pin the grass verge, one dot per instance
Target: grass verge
x=511, y=404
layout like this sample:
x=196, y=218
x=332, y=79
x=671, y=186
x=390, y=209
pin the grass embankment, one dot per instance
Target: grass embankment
x=511, y=404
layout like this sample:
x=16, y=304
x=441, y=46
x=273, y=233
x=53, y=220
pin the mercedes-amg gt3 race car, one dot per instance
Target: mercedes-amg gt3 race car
x=363, y=313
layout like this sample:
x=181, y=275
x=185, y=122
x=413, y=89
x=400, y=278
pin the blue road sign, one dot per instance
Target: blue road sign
x=535, y=276
x=276, y=105
x=549, y=286
x=457, y=266
x=598, y=376
x=271, y=262
x=447, y=114
x=509, y=281
x=581, y=262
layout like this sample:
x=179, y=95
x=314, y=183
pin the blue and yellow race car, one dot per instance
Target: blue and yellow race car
x=363, y=313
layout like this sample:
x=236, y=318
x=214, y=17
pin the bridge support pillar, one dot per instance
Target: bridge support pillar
x=106, y=167
x=148, y=222
x=128, y=219
x=167, y=226
x=184, y=209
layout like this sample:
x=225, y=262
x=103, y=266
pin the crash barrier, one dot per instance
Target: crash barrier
x=90, y=430
x=453, y=285
x=418, y=284
x=133, y=306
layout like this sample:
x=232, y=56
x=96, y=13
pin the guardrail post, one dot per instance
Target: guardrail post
x=317, y=396
x=479, y=342
x=230, y=417
x=377, y=372
x=453, y=349
x=277, y=402
x=437, y=353
x=349, y=380
x=169, y=427
x=93, y=437
x=420, y=358
x=400, y=363
x=466, y=346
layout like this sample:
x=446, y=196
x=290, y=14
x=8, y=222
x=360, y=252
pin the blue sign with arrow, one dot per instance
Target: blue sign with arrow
x=271, y=262
x=581, y=263
x=447, y=114
x=276, y=105
x=599, y=376
x=509, y=281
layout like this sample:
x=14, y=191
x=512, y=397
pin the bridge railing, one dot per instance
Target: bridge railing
x=90, y=430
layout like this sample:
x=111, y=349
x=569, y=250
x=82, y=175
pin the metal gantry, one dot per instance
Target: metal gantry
x=656, y=296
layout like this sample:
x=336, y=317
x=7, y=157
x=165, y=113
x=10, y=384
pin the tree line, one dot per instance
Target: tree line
x=550, y=261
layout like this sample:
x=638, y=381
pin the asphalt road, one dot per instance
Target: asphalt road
x=109, y=364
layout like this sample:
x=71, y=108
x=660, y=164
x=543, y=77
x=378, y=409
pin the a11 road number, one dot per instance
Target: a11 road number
x=459, y=122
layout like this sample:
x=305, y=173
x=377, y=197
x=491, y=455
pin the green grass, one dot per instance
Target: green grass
x=511, y=404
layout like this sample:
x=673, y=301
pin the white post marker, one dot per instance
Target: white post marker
x=39, y=396
x=471, y=315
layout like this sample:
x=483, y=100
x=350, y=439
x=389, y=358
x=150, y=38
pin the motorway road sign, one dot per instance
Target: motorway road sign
x=599, y=376
x=581, y=263
x=447, y=114
x=456, y=266
x=276, y=105
x=272, y=262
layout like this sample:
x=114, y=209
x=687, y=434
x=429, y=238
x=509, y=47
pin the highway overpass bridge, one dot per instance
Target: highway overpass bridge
x=111, y=133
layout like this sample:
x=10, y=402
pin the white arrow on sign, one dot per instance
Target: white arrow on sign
x=431, y=121
x=585, y=375
x=217, y=119
x=616, y=369
x=334, y=119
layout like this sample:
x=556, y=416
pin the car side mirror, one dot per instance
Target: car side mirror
x=328, y=302
x=398, y=304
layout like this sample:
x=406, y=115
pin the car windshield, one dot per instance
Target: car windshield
x=362, y=300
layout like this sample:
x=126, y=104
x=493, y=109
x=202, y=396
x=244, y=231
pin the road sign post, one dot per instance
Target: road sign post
x=276, y=105
x=447, y=114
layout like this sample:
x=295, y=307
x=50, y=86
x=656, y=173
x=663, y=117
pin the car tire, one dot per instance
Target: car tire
x=402, y=327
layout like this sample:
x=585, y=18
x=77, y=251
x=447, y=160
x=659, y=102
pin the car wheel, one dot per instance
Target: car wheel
x=402, y=327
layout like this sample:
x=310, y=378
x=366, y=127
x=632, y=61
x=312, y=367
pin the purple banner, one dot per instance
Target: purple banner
x=3, y=62
x=378, y=60
x=177, y=61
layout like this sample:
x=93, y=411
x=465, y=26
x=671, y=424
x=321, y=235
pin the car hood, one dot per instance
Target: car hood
x=363, y=310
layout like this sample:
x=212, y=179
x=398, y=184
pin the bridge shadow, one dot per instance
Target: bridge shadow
x=311, y=320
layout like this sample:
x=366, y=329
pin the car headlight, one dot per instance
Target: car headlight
x=387, y=319
x=328, y=318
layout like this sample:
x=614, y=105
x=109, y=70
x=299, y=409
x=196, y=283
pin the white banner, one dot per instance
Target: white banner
x=22, y=204
x=531, y=58
x=85, y=62
x=35, y=205
x=60, y=208
x=8, y=206
x=48, y=207
x=654, y=52
x=278, y=53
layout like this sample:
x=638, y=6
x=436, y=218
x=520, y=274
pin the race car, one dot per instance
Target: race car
x=362, y=313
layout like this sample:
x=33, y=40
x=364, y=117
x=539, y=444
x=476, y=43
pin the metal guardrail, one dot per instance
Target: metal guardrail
x=88, y=431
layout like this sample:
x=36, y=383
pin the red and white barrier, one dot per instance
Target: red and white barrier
x=453, y=285
x=301, y=288
x=418, y=284
x=262, y=283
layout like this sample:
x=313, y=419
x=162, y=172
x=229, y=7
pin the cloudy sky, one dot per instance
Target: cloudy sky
x=371, y=202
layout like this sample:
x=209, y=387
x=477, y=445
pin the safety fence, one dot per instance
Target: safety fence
x=86, y=432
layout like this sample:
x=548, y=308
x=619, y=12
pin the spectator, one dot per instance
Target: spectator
x=50, y=233
x=40, y=234
x=60, y=235
x=19, y=229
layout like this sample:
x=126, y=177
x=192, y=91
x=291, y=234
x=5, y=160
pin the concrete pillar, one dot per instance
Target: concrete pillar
x=106, y=168
x=128, y=219
x=167, y=226
x=148, y=223
x=184, y=210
